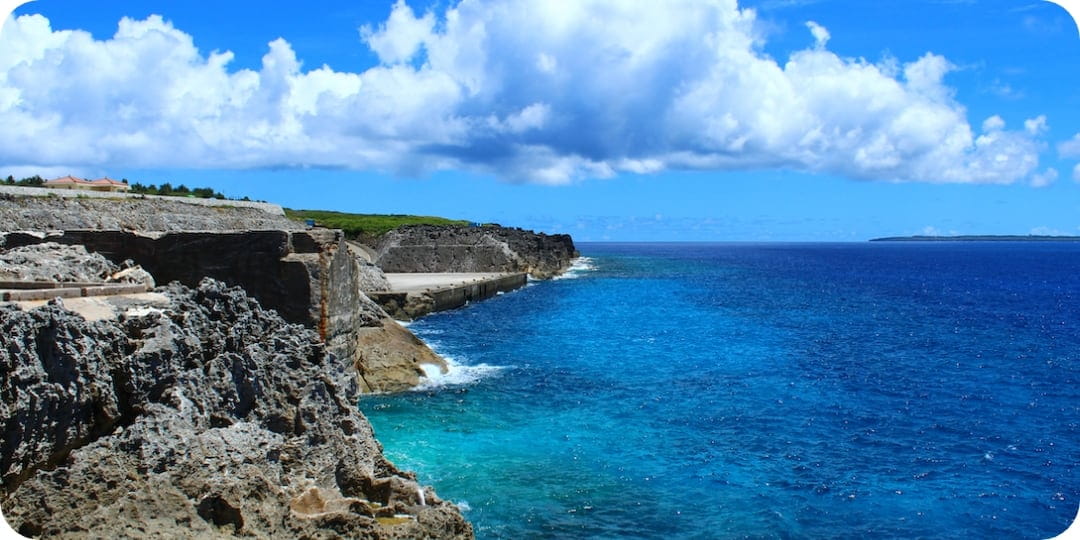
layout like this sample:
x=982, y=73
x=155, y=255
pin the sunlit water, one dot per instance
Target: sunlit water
x=770, y=390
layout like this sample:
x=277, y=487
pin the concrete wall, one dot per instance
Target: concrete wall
x=407, y=306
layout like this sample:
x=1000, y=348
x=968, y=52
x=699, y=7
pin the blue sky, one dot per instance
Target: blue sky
x=778, y=120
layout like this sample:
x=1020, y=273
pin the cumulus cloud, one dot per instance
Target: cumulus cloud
x=1044, y=178
x=1036, y=126
x=820, y=33
x=1070, y=148
x=524, y=90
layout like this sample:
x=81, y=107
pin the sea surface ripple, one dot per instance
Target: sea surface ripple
x=924, y=390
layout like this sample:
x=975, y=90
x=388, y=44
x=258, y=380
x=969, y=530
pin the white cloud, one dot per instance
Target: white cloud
x=994, y=123
x=1044, y=178
x=821, y=35
x=19, y=173
x=1047, y=231
x=401, y=36
x=524, y=90
x=1070, y=148
x=1036, y=126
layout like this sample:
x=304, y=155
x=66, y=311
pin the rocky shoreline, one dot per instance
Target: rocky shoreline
x=211, y=416
x=197, y=410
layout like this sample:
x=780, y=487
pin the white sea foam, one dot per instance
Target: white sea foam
x=578, y=267
x=456, y=374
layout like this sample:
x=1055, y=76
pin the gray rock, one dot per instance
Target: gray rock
x=212, y=417
x=430, y=248
x=54, y=213
x=372, y=278
x=54, y=262
x=308, y=277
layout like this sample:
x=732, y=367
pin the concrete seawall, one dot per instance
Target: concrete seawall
x=418, y=294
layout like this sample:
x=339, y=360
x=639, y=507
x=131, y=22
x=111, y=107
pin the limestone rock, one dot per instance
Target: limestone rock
x=212, y=416
x=54, y=213
x=372, y=278
x=308, y=277
x=391, y=359
x=51, y=261
x=431, y=248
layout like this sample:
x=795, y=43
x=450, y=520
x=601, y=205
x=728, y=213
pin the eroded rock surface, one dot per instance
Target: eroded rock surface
x=309, y=277
x=212, y=416
x=54, y=262
x=54, y=213
x=430, y=248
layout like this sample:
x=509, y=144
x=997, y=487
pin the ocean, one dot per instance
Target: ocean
x=684, y=390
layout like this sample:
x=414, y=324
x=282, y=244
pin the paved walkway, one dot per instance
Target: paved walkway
x=420, y=282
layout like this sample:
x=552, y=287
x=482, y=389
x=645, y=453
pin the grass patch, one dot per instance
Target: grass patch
x=367, y=227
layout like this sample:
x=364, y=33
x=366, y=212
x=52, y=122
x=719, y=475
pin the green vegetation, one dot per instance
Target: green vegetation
x=179, y=191
x=33, y=181
x=367, y=227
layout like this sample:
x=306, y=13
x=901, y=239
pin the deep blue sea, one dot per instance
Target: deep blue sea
x=898, y=390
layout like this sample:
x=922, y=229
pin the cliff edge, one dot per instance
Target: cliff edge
x=491, y=248
x=208, y=416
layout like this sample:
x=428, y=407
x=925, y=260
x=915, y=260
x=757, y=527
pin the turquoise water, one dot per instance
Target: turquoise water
x=760, y=390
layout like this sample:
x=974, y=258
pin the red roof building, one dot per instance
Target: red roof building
x=101, y=184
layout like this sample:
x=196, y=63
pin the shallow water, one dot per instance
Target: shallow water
x=760, y=390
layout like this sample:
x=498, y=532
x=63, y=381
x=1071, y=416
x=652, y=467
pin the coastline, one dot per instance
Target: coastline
x=319, y=276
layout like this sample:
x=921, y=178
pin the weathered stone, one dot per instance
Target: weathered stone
x=54, y=213
x=372, y=278
x=210, y=417
x=54, y=262
x=308, y=277
x=390, y=358
x=430, y=248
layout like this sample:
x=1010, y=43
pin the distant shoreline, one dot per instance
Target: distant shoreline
x=979, y=238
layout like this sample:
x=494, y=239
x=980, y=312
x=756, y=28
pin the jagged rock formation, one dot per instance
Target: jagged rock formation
x=56, y=262
x=431, y=248
x=309, y=277
x=211, y=416
x=54, y=213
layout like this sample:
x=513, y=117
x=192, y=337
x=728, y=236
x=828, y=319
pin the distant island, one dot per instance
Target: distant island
x=980, y=238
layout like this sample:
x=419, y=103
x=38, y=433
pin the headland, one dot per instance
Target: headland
x=223, y=402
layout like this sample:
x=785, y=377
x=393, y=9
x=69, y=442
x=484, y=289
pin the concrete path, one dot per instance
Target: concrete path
x=420, y=282
x=97, y=308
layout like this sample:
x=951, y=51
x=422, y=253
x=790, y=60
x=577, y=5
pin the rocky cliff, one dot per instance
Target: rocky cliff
x=210, y=416
x=21, y=213
x=309, y=277
x=430, y=248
